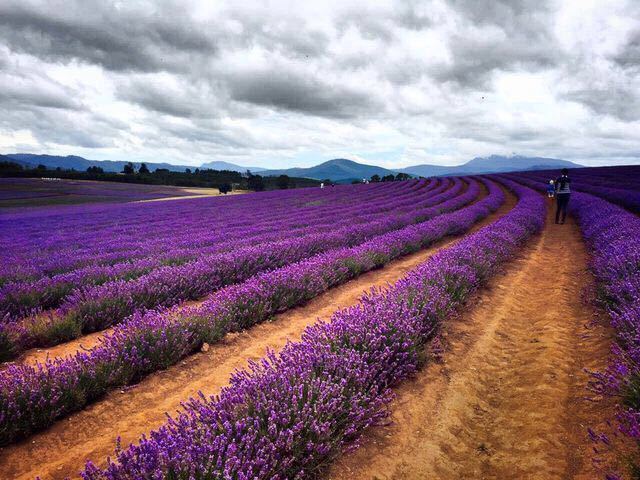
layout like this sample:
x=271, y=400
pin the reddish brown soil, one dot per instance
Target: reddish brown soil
x=507, y=400
x=62, y=450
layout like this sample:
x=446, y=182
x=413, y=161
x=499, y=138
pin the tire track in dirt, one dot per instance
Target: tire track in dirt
x=61, y=450
x=507, y=400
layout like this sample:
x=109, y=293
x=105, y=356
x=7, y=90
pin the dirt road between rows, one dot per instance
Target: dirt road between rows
x=62, y=450
x=507, y=401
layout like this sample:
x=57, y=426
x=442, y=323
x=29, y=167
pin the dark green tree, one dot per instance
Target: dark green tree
x=144, y=168
x=375, y=178
x=129, y=169
x=283, y=182
x=10, y=167
x=403, y=176
x=255, y=183
x=388, y=178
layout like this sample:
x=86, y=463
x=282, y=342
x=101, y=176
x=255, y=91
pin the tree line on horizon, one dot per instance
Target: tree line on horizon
x=224, y=180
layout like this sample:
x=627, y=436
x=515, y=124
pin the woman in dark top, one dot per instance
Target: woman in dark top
x=563, y=192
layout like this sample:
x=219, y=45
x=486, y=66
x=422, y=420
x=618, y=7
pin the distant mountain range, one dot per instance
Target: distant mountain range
x=342, y=170
x=491, y=164
x=80, y=163
x=337, y=170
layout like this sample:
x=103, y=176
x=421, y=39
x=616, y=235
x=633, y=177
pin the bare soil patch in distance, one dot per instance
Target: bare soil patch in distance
x=507, y=400
x=62, y=450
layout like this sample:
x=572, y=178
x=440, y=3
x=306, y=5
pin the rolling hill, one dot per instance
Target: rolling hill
x=338, y=170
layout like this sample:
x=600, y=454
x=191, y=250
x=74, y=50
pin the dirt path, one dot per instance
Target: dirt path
x=62, y=450
x=86, y=342
x=507, y=400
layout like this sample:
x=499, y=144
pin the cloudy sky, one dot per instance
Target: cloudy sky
x=281, y=83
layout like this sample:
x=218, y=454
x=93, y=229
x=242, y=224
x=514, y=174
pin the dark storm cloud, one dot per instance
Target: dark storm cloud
x=500, y=12
x=23, y=87
x=620, y=101
x=24, y=96
x=383, y=25
x=62, y=127
x=97, y=33
x=476, y=59
x=514, y=35
x=629, y=57
x=184, y=99
x=301, y=93
x=294, y=39
x=414, y=15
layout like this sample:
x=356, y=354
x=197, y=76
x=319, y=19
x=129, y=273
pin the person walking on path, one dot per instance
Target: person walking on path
x=551, y=189
x=563, y=192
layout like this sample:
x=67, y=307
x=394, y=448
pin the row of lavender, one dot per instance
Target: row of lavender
x=625, y=177
x=38, y=246
x=19, y=298
x=95, y=308
x=620, y=185
x=34, y=397
x=613, y=236
x=288, y=415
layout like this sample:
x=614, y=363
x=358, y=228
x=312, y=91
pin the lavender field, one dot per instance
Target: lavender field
x=36, y=192
x=285, y=333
